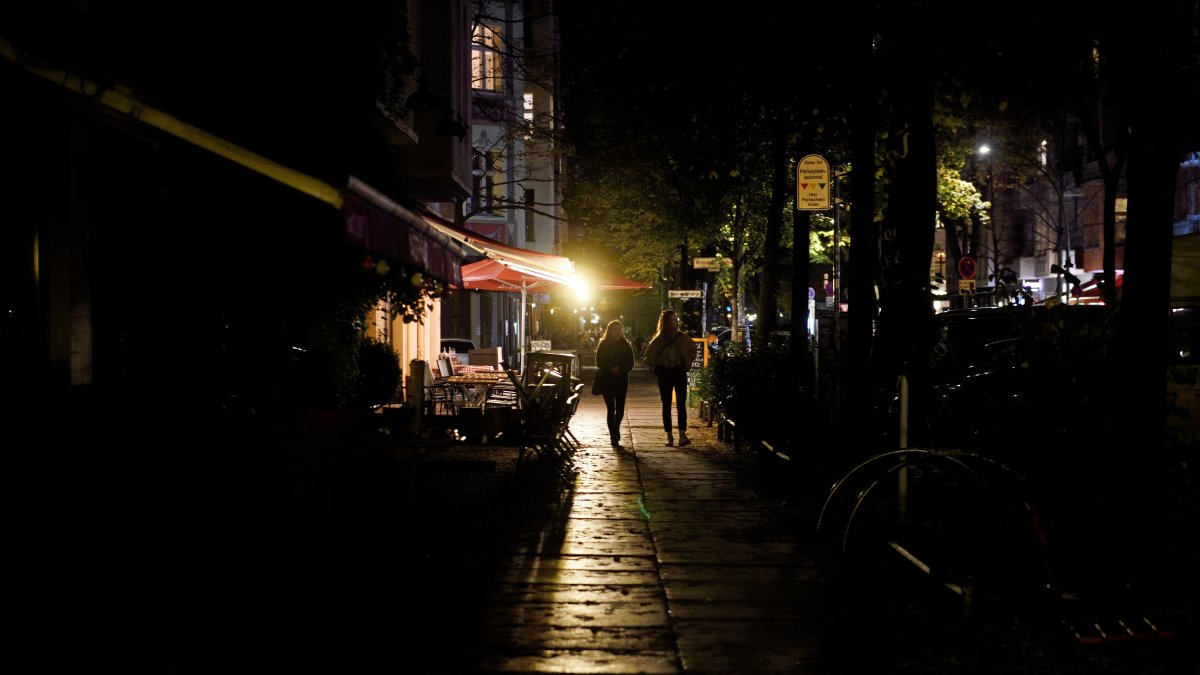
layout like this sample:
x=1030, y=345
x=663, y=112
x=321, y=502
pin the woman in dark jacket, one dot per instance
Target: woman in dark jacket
x=670, y=354
x=614, y=360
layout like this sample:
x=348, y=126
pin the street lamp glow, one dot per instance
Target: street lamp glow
x=583, y=291
x=985, y=149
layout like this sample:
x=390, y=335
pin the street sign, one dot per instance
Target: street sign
x=812, y=184
x=711, y=263
x=966, y=287
x=685, y=294
x=966, y=267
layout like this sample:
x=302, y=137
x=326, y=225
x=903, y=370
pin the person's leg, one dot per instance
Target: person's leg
x=619, y=404
x=681, y=387
x=618, y=417
x=614, y=425
x=665, y=388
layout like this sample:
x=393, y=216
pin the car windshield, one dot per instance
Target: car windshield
x=461, y=348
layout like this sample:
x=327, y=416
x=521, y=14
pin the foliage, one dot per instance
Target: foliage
x=330, y=336
x=757, y=388
x=325, y=367
x=1062, y=355
x=958, y=199
x=379, y=374
x=407, y=293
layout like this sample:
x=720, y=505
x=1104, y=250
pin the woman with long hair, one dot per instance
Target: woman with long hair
x=669, y=355
x=614, y=360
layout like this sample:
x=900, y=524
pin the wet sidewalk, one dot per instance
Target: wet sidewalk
x=654, y=559
x=659, y=562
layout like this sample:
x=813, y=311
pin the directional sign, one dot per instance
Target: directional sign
x=711, y=263
x=812, y=184
x=966, y=267
x=685, y=294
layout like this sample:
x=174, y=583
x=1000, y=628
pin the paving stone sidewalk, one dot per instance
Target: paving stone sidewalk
x=660, y=562
x=655, y=559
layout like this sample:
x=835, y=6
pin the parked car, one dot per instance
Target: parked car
x=718, y=337
x=1006, y=379
x=1183, y=375
x=461, y=349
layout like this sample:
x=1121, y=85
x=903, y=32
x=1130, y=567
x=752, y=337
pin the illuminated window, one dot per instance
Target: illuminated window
x=529, y=101
x=486, y=47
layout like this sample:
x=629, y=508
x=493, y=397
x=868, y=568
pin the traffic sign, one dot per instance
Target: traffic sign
x=966, y=267
x=711, y=263
x=684, y=294
x=812, y=184
x=966, y=287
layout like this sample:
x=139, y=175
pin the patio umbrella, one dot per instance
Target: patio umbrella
x=508, y=275
x=497, y=275
x=513, y=276
x=613, y=282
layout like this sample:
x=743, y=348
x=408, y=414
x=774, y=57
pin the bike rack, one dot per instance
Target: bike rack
x=1085, y=630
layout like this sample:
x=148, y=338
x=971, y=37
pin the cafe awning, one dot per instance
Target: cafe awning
x=546, y=266
x=373, y=221
x=379, y=225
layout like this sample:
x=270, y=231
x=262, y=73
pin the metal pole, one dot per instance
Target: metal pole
x=837, y=267
x=521, y=327
x=902, y=474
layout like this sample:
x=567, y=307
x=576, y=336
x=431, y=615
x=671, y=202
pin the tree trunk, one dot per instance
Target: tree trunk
x=904, y=333
x=801, y=227
x=1112, y=182
x=864, y=233
x=768, y=290
x=1137, y=472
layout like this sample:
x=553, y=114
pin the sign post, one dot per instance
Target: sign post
x=711, y=264
x=685, y=294
x=966, y=267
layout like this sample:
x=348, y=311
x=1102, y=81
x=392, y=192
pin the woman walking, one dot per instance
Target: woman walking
x=670, y=354
x=614, y=360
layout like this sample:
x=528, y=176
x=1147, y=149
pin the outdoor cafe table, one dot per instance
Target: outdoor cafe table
x=477, y=386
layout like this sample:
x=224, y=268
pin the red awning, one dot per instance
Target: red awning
x=496, y=275
x=546, y=266
x=612, y=282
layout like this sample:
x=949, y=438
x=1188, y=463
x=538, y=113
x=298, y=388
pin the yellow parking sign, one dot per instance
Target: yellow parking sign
x=812, y=184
